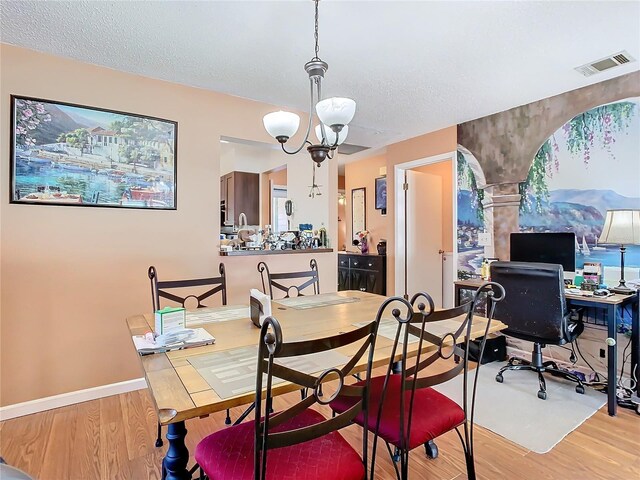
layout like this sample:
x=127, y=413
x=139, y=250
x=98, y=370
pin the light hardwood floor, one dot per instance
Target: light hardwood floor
x=113, y=438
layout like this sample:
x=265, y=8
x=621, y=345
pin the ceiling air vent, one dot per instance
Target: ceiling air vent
x=605, y=63
x=350, y=149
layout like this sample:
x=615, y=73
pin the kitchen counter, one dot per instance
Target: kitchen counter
x=241, y=253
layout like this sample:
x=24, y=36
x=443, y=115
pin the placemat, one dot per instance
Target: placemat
x=316, y=301
x=233, y=372
x=216, y=314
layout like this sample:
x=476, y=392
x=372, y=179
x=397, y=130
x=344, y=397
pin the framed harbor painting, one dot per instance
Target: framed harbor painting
x=66, y=154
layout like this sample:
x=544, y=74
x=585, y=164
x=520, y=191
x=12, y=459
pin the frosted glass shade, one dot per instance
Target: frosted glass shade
x=336, y=111
x=621, y=227
x=331, y=135
x=281, y=124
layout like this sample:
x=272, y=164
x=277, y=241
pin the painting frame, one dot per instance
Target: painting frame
x=147, y=197
x=381, y=194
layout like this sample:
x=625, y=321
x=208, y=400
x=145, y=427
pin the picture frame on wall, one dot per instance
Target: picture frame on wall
x=76, y=155
x=381, y=194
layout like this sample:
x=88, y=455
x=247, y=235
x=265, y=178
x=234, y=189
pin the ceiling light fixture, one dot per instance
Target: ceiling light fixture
x=334, y=114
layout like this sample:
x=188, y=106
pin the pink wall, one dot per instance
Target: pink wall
x=364, y=171
x=278, y=177
x=342, y=219
x=444, y=171
x=70, y=276
x=428, y=145
x=363, y=174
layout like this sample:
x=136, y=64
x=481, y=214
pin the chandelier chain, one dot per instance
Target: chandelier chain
x=316, y=33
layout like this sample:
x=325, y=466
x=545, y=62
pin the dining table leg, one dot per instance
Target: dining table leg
x=174, y=464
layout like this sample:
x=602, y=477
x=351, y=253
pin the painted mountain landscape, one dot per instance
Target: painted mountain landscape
x=73, y=155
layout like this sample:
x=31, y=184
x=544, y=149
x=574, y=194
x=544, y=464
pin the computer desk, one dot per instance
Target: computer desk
x=612, y=305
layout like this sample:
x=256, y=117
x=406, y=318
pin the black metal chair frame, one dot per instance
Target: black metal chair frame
x=158, y=290
x=270, y=279
x=273, y=347
x=416, y=323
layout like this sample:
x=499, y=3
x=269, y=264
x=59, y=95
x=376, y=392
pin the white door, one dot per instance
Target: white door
x=424, y=234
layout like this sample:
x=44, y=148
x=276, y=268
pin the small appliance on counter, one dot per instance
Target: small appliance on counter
x=382, y=247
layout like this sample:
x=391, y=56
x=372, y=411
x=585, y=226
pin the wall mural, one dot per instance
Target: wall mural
x=571, y=183
x=470, y=220
x=589, y=165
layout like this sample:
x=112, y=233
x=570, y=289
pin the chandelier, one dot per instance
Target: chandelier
x=334, y=114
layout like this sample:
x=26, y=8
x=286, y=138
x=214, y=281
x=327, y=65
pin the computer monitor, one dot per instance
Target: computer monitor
x=545, y=248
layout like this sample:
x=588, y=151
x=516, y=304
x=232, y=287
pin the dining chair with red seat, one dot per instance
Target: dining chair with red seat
x=405, y=411
x=298, y=442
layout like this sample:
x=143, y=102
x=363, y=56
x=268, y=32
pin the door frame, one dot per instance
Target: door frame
x=399, y=171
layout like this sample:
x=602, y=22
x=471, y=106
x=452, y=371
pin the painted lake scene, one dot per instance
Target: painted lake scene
x=76, y=155
x=569, y=189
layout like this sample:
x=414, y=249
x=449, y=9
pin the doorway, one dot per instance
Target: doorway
x=425, y=227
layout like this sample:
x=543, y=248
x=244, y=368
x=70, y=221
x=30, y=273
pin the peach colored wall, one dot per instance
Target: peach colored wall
x=428, y=145
x=278, y=177
x=444, y=171
x=363, y=174
x=70, y=276
x=342, y=221
x=364, y=171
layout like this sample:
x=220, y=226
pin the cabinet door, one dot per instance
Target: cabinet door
x=358, y=280
x=373, y=282
x=246, y=197
x=343, y=279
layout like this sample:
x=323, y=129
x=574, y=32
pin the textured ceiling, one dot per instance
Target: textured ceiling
x=412, y=67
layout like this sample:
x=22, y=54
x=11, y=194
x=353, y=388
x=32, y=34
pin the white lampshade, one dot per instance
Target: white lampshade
x=331, y=135
x=621, y=227
x=281, y=124
x=336, y=111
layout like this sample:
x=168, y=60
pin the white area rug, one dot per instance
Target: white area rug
x=513, y=410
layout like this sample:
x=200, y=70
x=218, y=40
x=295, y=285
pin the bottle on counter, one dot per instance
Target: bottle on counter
x=484, y=269
x=323, y=236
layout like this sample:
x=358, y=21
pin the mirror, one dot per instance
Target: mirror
x=358, y=210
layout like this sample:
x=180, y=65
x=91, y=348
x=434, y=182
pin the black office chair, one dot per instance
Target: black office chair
x=271, y=280
x=535, y=310
x=160, y=289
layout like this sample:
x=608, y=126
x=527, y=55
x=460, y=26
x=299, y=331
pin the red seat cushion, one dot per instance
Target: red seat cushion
x=433, y=413
x=228, y=454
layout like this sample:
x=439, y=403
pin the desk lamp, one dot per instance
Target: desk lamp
x=621, y=227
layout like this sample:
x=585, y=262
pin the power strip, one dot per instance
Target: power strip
x=628, y=401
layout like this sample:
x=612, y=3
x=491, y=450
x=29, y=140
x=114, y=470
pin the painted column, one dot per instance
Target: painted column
x=501, y=215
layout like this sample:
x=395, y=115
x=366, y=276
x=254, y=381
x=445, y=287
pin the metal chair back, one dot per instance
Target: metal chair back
x=274, y=280
x=413, y=326
x=273, y=347
x=159, y=289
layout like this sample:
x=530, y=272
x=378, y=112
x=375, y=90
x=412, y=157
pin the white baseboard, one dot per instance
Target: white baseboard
x=69, y=398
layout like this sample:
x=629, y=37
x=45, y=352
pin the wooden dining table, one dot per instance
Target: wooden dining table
x=180, y=392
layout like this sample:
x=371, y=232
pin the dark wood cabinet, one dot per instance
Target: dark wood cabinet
x=367, y=273
x=240, y=193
